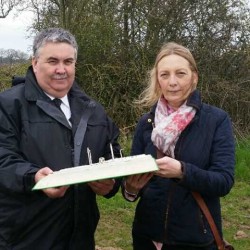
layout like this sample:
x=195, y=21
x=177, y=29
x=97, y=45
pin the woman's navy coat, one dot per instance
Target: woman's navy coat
x=166, y=211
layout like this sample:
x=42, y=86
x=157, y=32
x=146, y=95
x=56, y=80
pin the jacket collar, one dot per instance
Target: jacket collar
x=194, y=100
x=33, y=92
x=78, y=100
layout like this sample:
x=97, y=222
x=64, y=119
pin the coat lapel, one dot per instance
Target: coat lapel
x=53, y=111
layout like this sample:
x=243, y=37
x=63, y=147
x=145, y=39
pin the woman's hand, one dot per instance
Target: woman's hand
x=169, y=168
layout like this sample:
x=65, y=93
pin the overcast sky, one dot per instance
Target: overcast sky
x=13, y=34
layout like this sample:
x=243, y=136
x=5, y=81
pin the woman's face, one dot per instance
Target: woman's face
x=176, y=79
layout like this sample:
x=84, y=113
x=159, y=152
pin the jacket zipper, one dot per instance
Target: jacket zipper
x=169, y=200
x=202, y=222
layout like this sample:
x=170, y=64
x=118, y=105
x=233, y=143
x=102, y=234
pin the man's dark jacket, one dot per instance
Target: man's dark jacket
x=35, y=134
x=167, y=211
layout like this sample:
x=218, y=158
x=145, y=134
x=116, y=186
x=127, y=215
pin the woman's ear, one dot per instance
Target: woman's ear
x=195, y=79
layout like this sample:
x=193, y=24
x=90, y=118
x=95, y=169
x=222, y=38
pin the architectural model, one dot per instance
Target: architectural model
x=104, y=169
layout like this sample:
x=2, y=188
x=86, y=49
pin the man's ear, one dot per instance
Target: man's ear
x=34, y=63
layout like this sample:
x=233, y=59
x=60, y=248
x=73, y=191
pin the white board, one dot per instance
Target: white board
x=98, y=171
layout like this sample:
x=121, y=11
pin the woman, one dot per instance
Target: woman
x=194, y=145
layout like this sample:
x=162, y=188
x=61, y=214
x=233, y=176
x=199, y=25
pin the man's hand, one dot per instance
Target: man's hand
x=50, y=192
x=135, y=183
x=102, y=187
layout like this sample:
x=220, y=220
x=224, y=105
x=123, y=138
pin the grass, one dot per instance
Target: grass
x=114, y=229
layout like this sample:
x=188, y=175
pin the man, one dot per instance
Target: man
x=37, y=138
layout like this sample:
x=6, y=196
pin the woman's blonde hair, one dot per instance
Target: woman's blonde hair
x=153, y=92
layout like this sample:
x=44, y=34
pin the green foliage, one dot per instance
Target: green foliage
x=242, y=169
x=119, y=39
x=10, y=70
x=125, y=141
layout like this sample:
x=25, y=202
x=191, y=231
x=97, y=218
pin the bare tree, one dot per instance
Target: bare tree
x=11, y=56
x=6, y=6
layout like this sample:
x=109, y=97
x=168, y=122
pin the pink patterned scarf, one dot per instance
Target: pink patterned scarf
x=169, y=124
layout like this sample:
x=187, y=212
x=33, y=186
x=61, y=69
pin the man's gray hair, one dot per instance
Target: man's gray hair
x=53, y=35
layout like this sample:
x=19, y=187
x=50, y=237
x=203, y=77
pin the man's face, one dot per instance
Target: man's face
x=54, y=68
